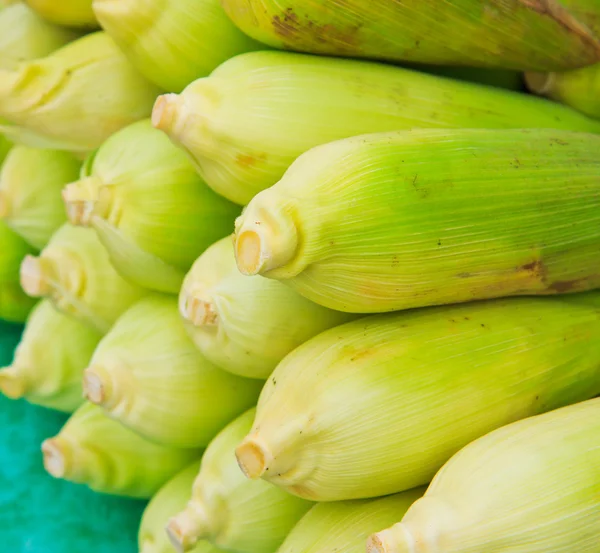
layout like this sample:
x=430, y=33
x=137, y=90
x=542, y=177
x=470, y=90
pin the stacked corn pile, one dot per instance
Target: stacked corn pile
x=398, y=348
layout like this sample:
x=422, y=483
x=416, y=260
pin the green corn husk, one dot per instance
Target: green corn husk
x=30, y=184
x=50, y=359
x=233, y=513
x=246, y=325
x=71, y=13
x=77, y=96
x=26, y=36
x=343, y=526
x=147, y=374
x=378, y=405
x=455, y=215
x=15, y=305
x=245, y=124
x=173, y=42
x=513, y=34
x=5, y=147
x=168, y=500
x=150, y=209
x=74, y=271
x=94, y=450
x=531, y=486
x=579, y=88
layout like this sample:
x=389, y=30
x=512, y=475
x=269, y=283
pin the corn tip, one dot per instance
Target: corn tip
x=33, y=277
x=164, y=111
x=253, y=457
x=53, y=450
x=12, y=384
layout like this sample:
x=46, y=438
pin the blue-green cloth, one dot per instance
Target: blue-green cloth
x=39, y=514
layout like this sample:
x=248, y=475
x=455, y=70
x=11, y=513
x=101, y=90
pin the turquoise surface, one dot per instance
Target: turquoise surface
x=39, y=514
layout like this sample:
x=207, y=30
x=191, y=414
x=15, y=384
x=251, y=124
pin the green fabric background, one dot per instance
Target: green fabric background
x=39, y=514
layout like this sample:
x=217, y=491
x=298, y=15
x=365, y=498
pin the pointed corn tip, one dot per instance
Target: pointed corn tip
x=253, y=457
x=12, y=384
x=54, y=452
x=165, y=111
x=540, y=83
x=4, y=205
x=249, y=253
x=34, y=277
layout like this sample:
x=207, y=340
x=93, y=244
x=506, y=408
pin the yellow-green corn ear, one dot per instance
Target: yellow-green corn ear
x=246, y=325
x=407, y=219
x=245, y=124
x=50, y=359
x=532, y=486
x=579, y=88
x=378, y=405
x=15, y=305
x=31, y=181
x=234, y=513
x=169, y=500
x=513, y=34
x=173, y=42
x=76, y=97
x=95, y=450
x=149, y=207
x=147, y=374
x=343, y=526
x=24, y=36
x=74, y=271
x=71, y=13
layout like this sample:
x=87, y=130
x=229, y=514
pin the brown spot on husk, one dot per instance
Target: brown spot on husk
x=248, y=160
x=564, y=286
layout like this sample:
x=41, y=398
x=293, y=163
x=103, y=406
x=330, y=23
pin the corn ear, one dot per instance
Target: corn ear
x=245, y=124
x=417, y=386
x=147, y=374
x=15, y=305
x=579, y=88
x=173, y=42
x=74, y=271
x=246, y=325
x=77, y=96
x=513, y=34
x=50, y=359
x=30, y=184
x=343, y=526
x=168, y=500
x=94, y=450
x=532, y=486
x=233, y=513
x=456, y=215
x=150, y=209
x=24, y=35
x=71, y=13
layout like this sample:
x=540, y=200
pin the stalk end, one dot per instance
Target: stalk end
x=12, y=384
x=95, y=385
x=4, y=205
x=54, y=451
x=540, y=83
x=165, y=111
x=396, y=539
x=34, y=277
x=187, y=527
x=197, y=311
x=80, y=199
x=249, y=253
x=253, y=457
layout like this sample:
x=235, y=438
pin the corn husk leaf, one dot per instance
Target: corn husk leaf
x=416, y=387
x=147, y=374
x=77, y=96
x=533, y=485
x=50, y=359
x=231, y=512
x=30, y=184
x=94, y=450
x=74, y=271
